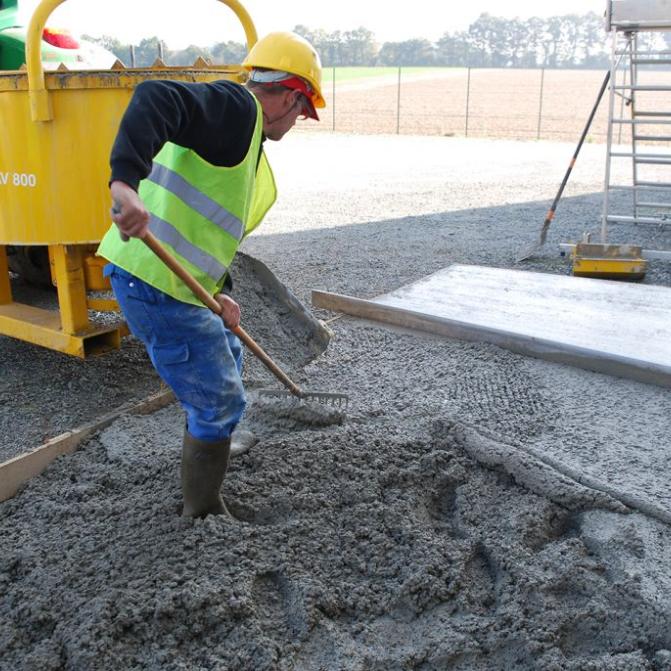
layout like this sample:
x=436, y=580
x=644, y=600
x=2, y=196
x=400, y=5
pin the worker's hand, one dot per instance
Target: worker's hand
x=128, y=211
x=230, y=310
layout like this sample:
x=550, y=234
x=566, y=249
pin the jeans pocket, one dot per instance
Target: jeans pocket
x=169, y=355
x=137, y=290
x=179, y=371
x=138, y=304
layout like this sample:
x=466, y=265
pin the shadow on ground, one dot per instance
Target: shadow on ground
x=44, y=393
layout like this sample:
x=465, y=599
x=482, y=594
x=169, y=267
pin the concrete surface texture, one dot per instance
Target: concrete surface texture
x=474, y=509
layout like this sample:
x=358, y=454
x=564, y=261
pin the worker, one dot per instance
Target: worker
x=188, y=165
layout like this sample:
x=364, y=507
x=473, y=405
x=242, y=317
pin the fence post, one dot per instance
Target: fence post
x=333, y=99
x=540, y=105
x=398, y=103
x=468, y=98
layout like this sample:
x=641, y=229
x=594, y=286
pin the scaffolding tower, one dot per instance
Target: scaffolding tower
x=641, y=82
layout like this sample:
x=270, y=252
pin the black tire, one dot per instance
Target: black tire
x=32, y=264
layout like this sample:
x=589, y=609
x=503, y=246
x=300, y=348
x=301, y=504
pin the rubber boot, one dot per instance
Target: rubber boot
x=204, y=465
x=241, y=441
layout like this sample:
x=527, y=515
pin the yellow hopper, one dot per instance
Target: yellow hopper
x=58, y=130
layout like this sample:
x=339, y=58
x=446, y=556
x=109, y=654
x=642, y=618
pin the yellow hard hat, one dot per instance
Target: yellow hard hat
x=291, y=53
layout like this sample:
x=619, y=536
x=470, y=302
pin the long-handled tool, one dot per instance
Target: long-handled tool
x=201, y=293
x=533, y=249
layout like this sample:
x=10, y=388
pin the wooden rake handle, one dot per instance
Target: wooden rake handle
x=202, y=294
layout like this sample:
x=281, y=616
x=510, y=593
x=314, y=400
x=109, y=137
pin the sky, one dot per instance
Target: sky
x=209, y=21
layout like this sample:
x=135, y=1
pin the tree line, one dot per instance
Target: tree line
x=571, y=40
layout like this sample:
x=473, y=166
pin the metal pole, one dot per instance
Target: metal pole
x=530, y=251
x=132, y=55
x=540, y=105
x=333, y=98
x=633, y=80
x=622, y=97
x=160, y=50
x=609, y=141
x=398, y=103
x=468, y=97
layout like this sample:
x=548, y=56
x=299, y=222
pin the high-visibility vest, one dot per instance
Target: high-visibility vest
x=200, y=212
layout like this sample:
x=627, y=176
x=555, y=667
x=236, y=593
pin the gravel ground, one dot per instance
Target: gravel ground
x=428, y=530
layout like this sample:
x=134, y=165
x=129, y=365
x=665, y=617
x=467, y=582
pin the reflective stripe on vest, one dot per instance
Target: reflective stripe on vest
x=166, y=232
x=197, y=200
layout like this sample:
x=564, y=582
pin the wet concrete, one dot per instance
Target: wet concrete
x=429, y=530
x=401, y=538
x=58, y=393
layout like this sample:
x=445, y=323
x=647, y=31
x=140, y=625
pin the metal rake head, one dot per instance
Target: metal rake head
x=322, y=397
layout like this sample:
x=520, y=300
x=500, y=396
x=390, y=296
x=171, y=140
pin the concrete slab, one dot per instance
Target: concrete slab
x=611, y=327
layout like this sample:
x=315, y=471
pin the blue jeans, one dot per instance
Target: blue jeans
x=192, y=351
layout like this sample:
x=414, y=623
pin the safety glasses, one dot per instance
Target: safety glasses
x=305, y=105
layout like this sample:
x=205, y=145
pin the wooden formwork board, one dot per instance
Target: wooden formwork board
x=17, y=471
x=610, y=327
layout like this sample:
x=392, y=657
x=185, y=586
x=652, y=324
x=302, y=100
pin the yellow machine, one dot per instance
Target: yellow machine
x=57, y=133
x=606, y=261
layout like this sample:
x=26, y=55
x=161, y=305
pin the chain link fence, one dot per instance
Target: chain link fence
x=519, y=104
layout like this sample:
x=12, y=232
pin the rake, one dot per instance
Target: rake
x=292, y=389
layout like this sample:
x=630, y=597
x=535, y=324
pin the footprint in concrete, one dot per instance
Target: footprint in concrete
x=280, y=604
x=479, y=582
x=582, y=635
x=438, y=497
x=441, y=507
x=275, y=511
x=331, y=646
x=548, y=524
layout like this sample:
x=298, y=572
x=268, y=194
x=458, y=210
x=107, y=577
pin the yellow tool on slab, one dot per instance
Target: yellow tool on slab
x=615, y=262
